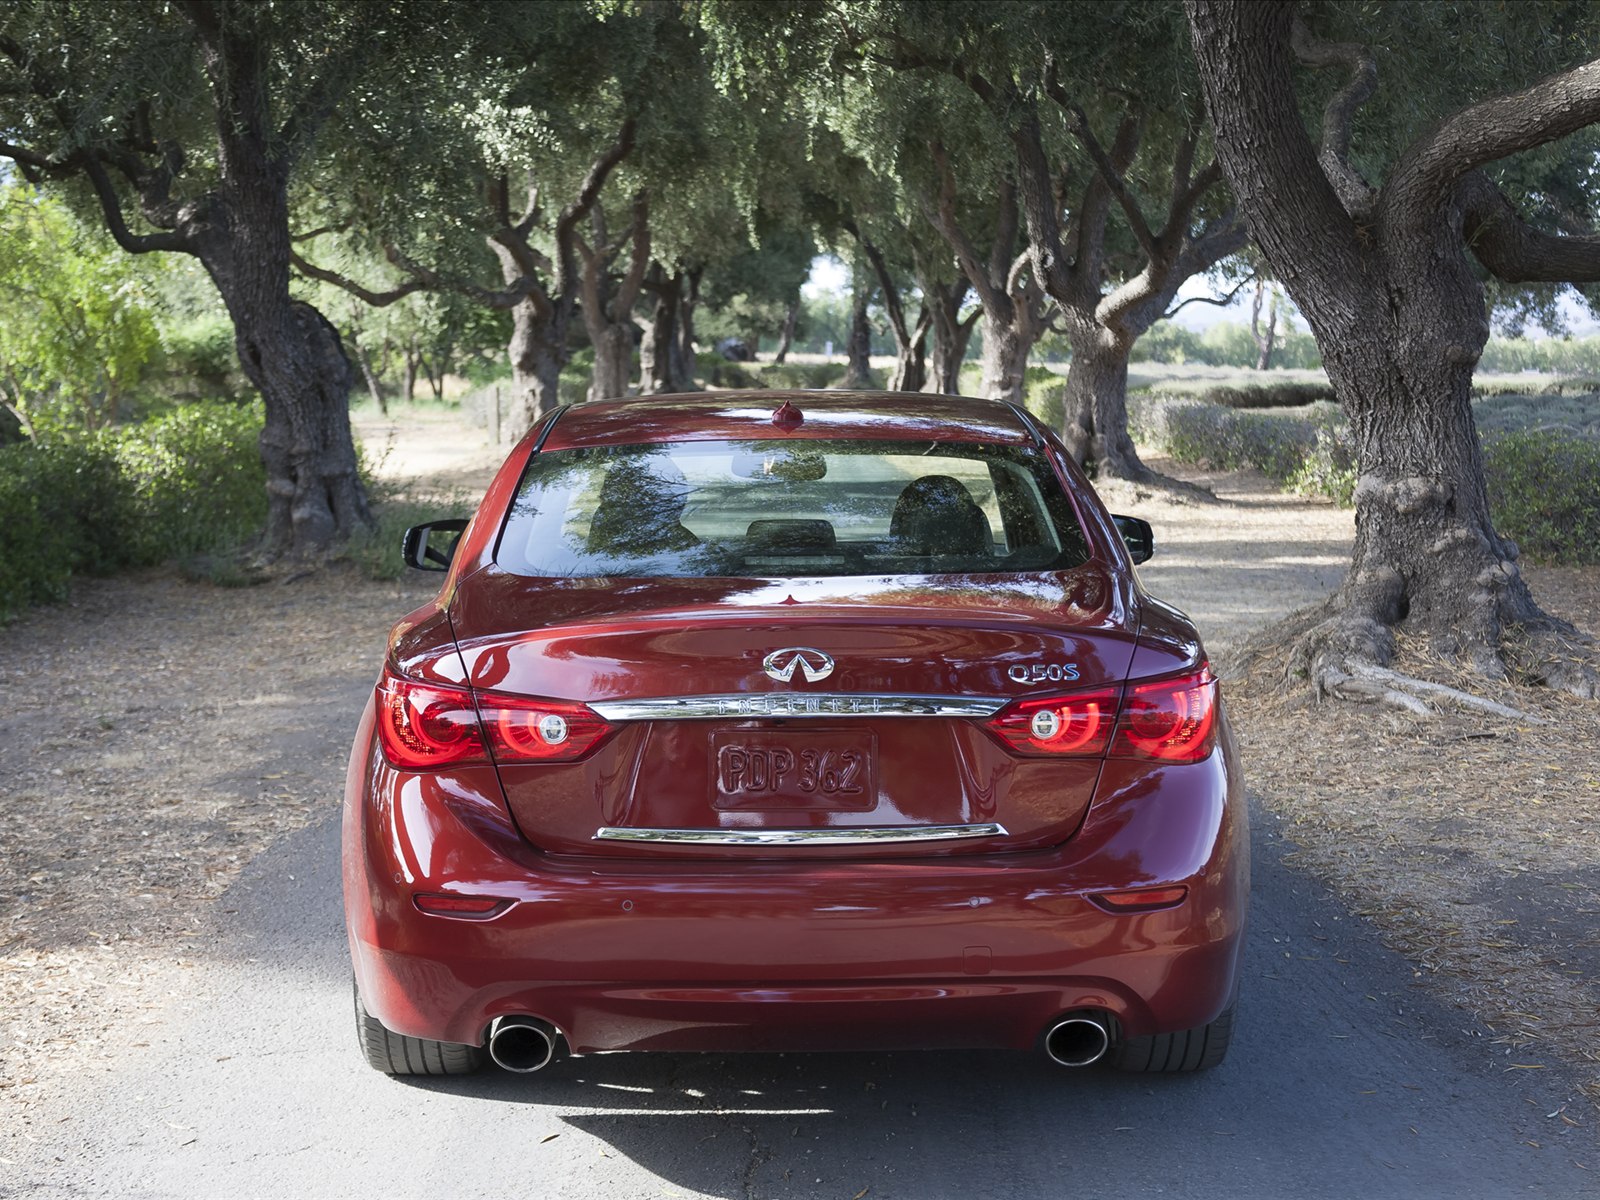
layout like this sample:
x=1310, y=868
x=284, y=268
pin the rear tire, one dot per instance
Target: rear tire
x=396, y=1054
x=1177, y=1053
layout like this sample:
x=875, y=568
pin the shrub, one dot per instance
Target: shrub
x=63, y=511
x=1544, y=492
x=1268, y=395
x=178, y=485
x=194, y=479
x=798, y=375
x=1044, y=394
x=1306, y=450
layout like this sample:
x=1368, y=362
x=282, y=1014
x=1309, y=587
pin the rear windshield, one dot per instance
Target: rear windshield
x=766, y=509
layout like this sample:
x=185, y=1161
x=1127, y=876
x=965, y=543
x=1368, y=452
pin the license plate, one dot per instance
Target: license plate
x=820, y=770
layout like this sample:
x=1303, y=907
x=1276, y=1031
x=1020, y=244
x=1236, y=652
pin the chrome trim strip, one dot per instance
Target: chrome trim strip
x=796, y=704
x=867, y=835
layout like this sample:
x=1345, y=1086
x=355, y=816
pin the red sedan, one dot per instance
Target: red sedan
x=792, y=721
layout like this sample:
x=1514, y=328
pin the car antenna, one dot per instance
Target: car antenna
x=788, y=415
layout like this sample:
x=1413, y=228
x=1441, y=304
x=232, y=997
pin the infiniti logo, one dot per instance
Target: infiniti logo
x=813, y=664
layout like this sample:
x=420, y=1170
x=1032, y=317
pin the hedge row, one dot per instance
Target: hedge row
x=1305, y=449
x=182, y=484
x=1544, y=484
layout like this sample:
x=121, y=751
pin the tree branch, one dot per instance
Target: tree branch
x=1513, y=250
x=1109, y=171
x=1178, y=217
x=1429, y=170
x=366, y=295
x=943, y=218
x=1219, y=301
x=633, y=281
x=891, y=291
x=111, y=206
x=1333, y=154
x=592, y=183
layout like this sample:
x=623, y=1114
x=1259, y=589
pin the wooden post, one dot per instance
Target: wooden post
x=494, y=419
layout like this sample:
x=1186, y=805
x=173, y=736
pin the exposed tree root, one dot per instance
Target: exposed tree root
x=1345, y=656
x=1373, y=683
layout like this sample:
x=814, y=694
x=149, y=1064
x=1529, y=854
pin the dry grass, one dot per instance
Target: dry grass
x=1468, y=840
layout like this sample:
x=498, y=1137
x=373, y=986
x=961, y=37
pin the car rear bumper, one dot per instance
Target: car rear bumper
x=969, y=951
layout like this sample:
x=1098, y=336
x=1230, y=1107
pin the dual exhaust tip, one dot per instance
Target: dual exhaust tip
x=522, y=1044
x=1079, y=1039
x=527, y=1044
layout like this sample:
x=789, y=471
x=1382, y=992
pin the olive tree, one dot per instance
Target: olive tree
x=1382, y=229
x=187, y=126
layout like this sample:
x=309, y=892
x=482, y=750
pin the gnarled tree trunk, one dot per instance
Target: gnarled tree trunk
x=1096, y=426
x=790, y=320
x=1383, y=277
x=537, y=350
x=661, y=367
x=1004, y=359
x=287, y=349
x=911, y=358
x=858, y=350
x=951, y=334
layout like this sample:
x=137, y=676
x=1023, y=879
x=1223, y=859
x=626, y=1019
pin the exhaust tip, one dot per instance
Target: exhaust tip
x=522, y=1044
x=1079, y=1040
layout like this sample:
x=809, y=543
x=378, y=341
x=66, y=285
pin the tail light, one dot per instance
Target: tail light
x=1168, y=720
x=527, y=730
x=1171, y=720
x=425, y=726
x=1077, y=725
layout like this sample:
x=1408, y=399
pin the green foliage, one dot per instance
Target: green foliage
x=197, y=357
x=186, y=483
x=1568, y=413
x=194, y=479
x=77, y=323
x=1544, y=491
x=1044, y=391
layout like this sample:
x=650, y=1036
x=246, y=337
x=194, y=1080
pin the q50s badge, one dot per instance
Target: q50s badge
x=1043, y=672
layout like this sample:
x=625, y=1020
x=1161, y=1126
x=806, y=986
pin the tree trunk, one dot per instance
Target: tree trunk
x=536, y=360
x=1096, y=429
x=408, y=380
x=661, y=352
x=1264, y=341
x=1005, y=360
x=790, y=320
x=613, y=359
x=1426, y=552
x=294, y=357
x=951, y=336
x=685, y=366
x=858, y=351
x=911, y=358
x=374, y=387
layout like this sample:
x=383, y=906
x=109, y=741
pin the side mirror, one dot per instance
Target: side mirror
x=416, y=552
x=1136, y=534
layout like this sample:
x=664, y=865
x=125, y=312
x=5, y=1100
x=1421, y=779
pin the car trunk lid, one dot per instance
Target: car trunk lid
x=830, y=717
